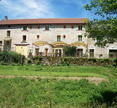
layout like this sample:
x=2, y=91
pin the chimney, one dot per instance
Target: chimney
x=6, y=17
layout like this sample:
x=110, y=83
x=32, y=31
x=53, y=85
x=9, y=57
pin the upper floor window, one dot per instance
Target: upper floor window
x=58, y=38
x=24, y=38
x=64, y=36
x=79, y=27
x=46, y=27
x=25, y=27
x=0, y=43
x=37, y=36
x=8, y=33
x=80, y=38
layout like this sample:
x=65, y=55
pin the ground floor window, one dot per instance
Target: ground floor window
x=58, y=52
x=46, y=51
x=112, y=53
x=79, y=52
x=91, y=53
x=36, y=51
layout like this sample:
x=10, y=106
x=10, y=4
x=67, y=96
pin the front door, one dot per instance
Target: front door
x=46, y=52
x=7, y=45
x=79, y=52
x=58, y=53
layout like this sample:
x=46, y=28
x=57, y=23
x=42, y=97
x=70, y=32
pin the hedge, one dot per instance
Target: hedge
x=11, y=58
x=73, y=61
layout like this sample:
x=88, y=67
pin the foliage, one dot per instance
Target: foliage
x=66, y=61
x=59, y=71
x=88, y=61
x=104, y=30
x=11, y=57
x=69, y=50
x=37, y=93
x=103, y=7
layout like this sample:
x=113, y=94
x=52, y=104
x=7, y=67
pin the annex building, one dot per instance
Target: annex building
x=48, y=37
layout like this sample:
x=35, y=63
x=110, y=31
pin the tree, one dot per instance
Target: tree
x=104, y=30
x=69, y=50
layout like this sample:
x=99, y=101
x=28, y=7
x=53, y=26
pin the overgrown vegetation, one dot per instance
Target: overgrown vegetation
x=73, y=61
x=11, y=58
x=59, y=71
x=37, y=93
x=69, y=51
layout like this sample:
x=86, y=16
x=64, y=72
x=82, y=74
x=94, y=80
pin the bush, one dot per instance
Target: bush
x=11, y=58
x=69, y=50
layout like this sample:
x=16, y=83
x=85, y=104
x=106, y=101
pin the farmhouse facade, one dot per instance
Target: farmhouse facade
x=48, y=37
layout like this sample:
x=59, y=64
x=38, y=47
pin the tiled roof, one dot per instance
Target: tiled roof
x=59, y=44
x=40, y=43
x=79, y=44
x=45, y=21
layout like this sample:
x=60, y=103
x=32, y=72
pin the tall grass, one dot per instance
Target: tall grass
x=38, y=93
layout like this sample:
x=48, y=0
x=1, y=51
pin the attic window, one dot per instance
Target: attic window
x=80, y=27
x=24, y=27
x=47, y=27
x=64, y=26
x=72, y=26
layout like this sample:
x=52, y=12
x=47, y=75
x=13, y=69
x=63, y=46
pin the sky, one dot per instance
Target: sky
x=22, y=9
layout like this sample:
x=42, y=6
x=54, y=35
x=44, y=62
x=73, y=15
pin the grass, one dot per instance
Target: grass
x=45, y=93
x=59, y=71
x=53, y=93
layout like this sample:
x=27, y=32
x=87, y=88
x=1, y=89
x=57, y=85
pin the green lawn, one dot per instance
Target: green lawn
x=53, y=93
x=61, y=71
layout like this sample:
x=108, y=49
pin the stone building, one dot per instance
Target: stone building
x=48, y=37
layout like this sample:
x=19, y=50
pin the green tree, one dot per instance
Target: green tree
x=69, y=50
x=104, y=30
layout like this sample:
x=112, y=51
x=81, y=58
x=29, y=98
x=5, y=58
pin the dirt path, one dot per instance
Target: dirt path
x=95, y=80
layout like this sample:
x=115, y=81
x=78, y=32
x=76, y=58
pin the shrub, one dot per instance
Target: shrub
x=11, y=57
x=69, y=50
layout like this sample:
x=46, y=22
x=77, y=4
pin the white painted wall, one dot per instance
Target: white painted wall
x=50, y=36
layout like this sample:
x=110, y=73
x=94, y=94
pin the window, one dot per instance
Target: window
x=37, y=36
x=112, y=53
x=24, y=27
x=91, y=53
x=58, y=53
x=58, y=38
x=80, y=38
x=24, y=38
x=47, y=27
x=72, y=26
x=36, y=51
x=8, y=33
x=79, y=52
x=0, y=43
x=64, y=36
x=64, y=26
x=79, y=27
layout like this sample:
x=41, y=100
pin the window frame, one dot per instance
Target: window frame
x=24, y=39
x=80, y=27
x=47, y=27
x=80, y=38
x=8, y=33
x=58, y=38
